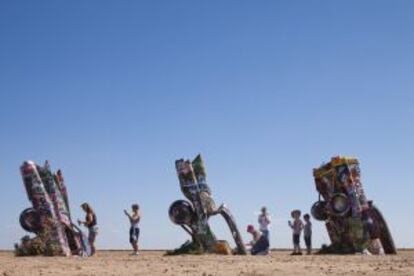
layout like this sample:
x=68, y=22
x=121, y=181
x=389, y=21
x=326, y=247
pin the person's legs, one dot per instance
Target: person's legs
x=261, y=247
x=133, y=238
x=295, y=244
x=308, y=242
x=265, y=233
x=136, y=239
x=91, y=239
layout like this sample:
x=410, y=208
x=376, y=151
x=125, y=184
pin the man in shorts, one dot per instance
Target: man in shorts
x=134, y=219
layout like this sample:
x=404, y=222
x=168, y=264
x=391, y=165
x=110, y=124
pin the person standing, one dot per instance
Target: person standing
x=90, y=223
x=264, y=222
x=134, y=230
x=297, y=227
x=307, y=233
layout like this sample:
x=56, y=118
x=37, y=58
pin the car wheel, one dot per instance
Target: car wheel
x=29, y=220
x=339, y=205
x=181, y=212
x=319, y=211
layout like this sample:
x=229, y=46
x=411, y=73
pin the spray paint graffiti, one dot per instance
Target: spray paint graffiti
x=353, y=223
x=193, y=215
x=49, y=216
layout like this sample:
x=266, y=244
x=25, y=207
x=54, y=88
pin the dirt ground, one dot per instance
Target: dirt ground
x=155, y=263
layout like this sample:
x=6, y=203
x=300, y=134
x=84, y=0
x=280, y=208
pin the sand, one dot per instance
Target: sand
x=154, y=263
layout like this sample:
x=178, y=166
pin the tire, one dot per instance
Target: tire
x=385, y=234
x=319, y=211
x=339, y=205
x=181, y=212
x=29, y=220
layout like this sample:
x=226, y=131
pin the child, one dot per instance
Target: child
x=91, y=223
x=297, y=227
x=307, y=233
x=134, y=219
x=264, y=221
x=260, y=243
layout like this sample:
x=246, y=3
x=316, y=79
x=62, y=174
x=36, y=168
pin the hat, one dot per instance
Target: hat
x=250, y=228
x=295, y=212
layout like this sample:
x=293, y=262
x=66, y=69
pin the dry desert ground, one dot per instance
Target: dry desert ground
x=155, y=263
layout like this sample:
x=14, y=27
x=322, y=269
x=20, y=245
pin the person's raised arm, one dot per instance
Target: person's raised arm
x=128, y=215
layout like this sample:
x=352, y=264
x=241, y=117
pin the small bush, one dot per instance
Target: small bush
x=42, y=244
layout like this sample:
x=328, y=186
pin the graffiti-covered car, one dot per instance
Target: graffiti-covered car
x=193, y=215
x=353, y=222
x=49, y=217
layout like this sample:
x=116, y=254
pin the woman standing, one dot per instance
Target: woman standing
x=90, y=223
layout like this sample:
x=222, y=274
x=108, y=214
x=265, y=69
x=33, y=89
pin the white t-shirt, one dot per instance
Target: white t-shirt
x=264, y=221
x=135, y=222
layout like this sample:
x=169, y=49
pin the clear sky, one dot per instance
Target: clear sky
x=113, y=92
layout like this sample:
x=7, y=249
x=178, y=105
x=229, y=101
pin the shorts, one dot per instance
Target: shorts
x=93, y=232
x=296, y=239
x=133, y=234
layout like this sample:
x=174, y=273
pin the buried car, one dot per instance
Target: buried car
x=49, y=217
x=193, y=215
x=353, y=223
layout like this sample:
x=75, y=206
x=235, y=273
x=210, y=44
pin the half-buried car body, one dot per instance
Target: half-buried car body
x=352, y=221
x=49, y=217
x=193, y=215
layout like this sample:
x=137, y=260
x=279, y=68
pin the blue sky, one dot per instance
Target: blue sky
x=113, y=92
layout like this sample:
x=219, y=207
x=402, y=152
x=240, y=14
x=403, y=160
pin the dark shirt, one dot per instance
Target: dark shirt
x=91, y=223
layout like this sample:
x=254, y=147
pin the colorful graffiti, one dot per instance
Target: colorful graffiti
x=49, y=217
x=193, y=215
x=353, y=223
